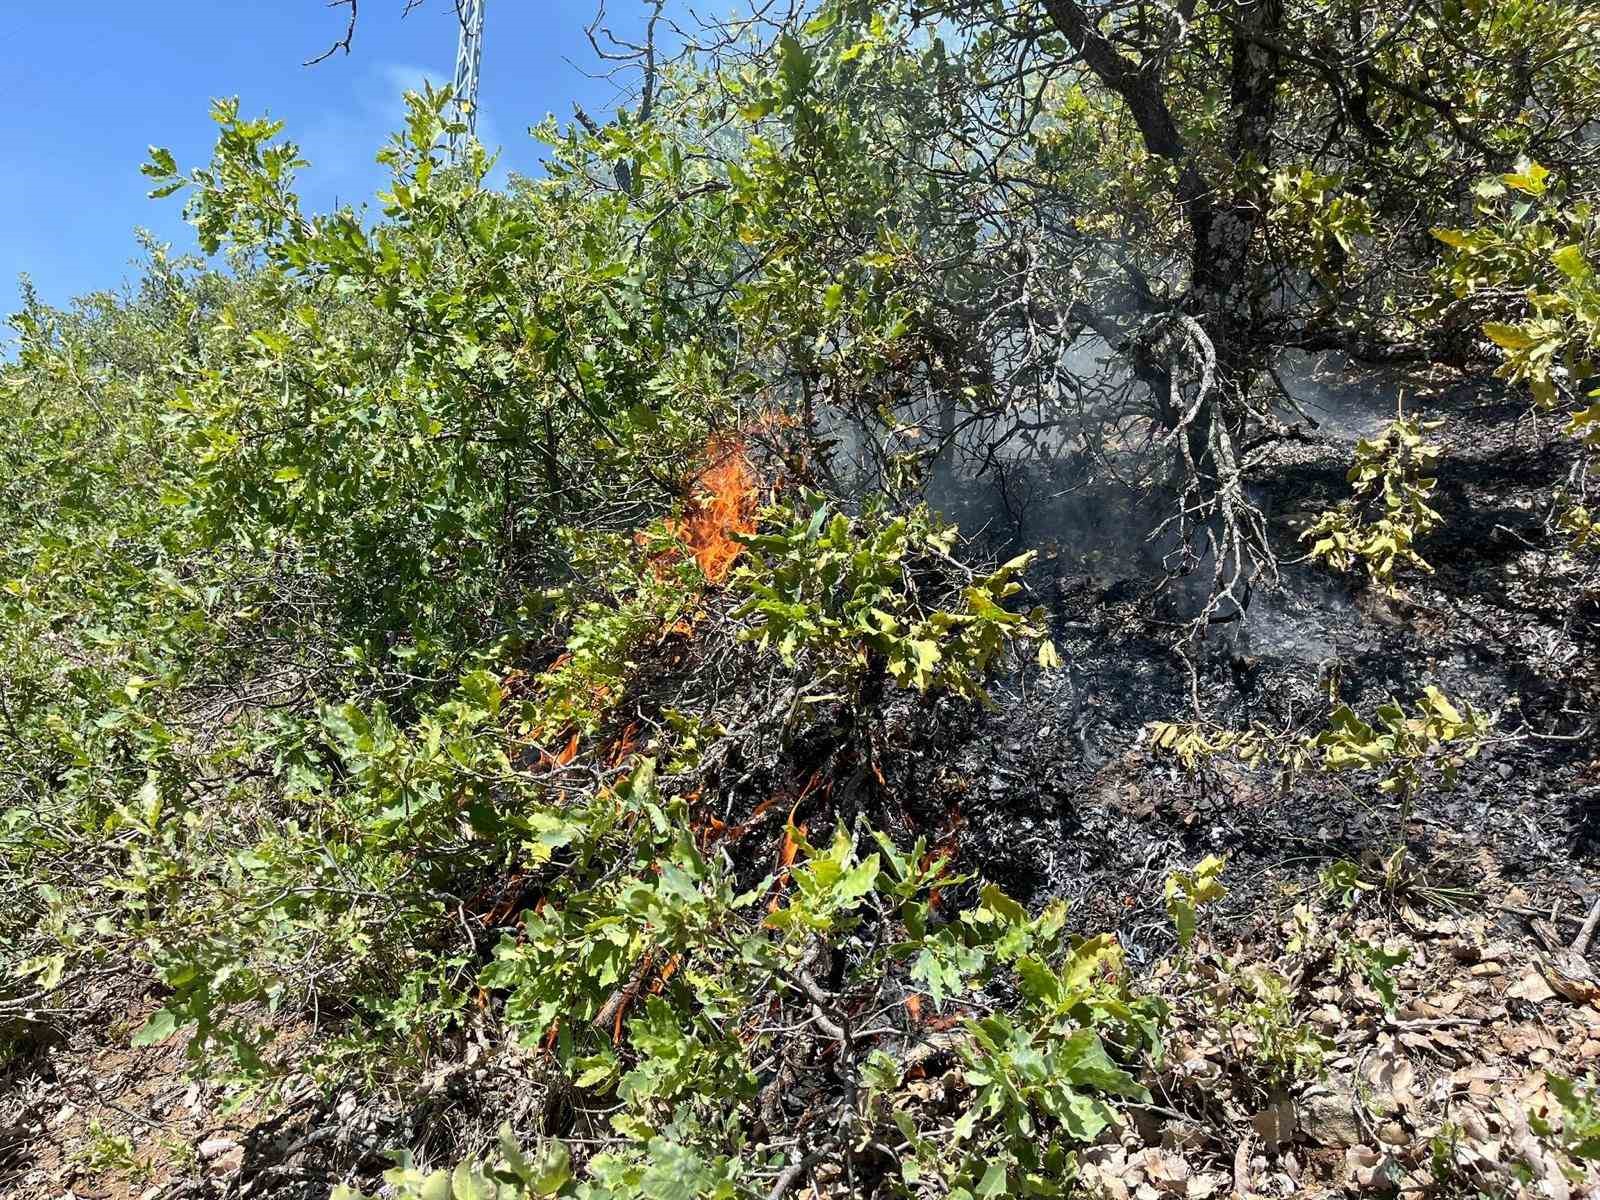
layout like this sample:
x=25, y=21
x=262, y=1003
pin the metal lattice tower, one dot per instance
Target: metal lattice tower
x=469, y=56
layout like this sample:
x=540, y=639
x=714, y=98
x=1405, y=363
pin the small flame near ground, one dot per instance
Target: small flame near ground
x=722, y=503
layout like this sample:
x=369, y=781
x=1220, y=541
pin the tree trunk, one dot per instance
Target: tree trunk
x=1224, y=214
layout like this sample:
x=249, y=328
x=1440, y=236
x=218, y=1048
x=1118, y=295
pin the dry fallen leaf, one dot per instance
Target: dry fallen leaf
x=1473, y=1126
x=1371, y=1170
x=1167, y=1172
x=1481, y=1080
x=1275, y=1125
x=1436, y=1041
x=1446, y=1003
x=1392, y=1133
x=1391, y=1074
x=1571, y=977
x=1419, y=1009
x=1103, y=1183
x=1545, y=1166
x=1241, y=1169
x=1521, y=1041
x=1532, y=988
x=1421, y=924
x=1329, y=1017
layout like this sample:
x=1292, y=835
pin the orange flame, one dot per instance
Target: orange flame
x=624, y=745
x=721, y=503
x=946, y=846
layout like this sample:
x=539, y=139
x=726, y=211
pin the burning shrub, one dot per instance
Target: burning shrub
x=630, y=594
x=726, y=1007
x=720, y=510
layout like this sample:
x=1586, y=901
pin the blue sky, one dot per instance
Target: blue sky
x=92, y=83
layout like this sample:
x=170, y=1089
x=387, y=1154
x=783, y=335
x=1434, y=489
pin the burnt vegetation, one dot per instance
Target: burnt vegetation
x=962, y=599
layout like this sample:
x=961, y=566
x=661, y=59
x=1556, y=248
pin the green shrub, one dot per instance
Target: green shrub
x=852, y=597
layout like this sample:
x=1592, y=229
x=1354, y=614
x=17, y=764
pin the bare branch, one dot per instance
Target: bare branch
x=349, y=33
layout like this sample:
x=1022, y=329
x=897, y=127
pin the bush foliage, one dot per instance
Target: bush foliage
x=336, y=564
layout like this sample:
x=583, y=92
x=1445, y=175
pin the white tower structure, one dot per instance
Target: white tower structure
x=469, y=56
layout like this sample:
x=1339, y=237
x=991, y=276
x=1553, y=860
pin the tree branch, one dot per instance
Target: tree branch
x=344, y=42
